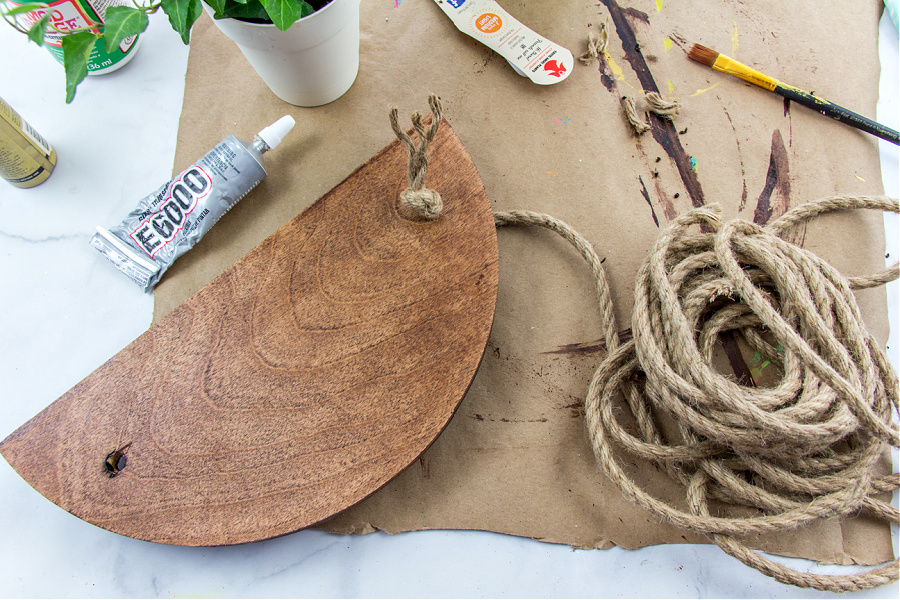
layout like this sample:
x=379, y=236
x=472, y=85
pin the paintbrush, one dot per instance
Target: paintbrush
x=720, y=62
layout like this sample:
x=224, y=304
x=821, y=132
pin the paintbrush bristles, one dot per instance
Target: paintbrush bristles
x=703, y=55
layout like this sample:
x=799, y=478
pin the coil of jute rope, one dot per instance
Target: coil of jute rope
x=802, y=449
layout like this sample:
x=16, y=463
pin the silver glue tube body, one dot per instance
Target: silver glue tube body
x=168, y=222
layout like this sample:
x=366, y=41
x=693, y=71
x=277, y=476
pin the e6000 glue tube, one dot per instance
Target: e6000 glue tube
x=168, y=222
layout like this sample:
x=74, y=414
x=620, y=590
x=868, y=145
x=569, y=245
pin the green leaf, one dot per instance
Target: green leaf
x=37, y=31
x=123, y=22
x=76, y=51
x=23, y=8
x=285, y=13
x=182, y=14
x=251, y=11
x=218, y=6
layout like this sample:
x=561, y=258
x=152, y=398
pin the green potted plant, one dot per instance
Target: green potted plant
x=316, y=21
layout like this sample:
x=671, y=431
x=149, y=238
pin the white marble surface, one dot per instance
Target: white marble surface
x=63, y=310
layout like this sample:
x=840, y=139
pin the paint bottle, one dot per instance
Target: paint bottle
x=26, y=159
x=68, y=15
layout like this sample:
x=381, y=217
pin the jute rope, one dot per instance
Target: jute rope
x=597, y=49
x=417, y=198
x=597, y=45
x=801, y=450
x=639, y=125
x=667, y=109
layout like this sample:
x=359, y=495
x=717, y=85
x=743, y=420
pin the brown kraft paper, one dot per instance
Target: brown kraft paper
x=515, y=458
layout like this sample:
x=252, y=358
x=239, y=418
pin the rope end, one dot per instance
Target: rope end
x=418, y=199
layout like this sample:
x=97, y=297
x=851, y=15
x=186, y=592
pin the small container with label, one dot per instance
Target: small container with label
x=69, y=15
x=26, y=159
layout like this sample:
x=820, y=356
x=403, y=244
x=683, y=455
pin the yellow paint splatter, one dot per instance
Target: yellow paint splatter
x=860, y=178
x=668, y=44
x=617, y=70
x=734, y=40
x=671, y=87
x=703, y=91
x=659, y=4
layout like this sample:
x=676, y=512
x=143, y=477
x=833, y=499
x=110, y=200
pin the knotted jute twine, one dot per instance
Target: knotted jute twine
x=629, y=109
x=597, y=45
x=417, y=198
x=803, y=449
x=667, y=109
x=598, y=49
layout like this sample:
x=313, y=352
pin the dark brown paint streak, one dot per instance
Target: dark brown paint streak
x=741, y=158
x=646, y=194
x=606, y=79
x=663, y=130
x=666, y=135
x=736, y=359
x=777, y=178
x=590, y=348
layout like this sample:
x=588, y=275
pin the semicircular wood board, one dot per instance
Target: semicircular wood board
x=295, y=384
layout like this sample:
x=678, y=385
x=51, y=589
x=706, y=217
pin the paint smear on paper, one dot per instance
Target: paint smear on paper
x=562, y=121
x=778, y=183
x=671, y=87
x=668, y=44
x=693, y=164
x=396, y=3
x=704, y=90
x=734, y=40
x=860, y=178
x=664, y=133
x=756, y=372
x=757, y=364
x=552, y=172
x=617, y=70
x=646, y=194
x=659, y=5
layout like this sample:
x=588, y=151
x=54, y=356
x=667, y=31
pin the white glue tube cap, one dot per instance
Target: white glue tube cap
x=274, y=133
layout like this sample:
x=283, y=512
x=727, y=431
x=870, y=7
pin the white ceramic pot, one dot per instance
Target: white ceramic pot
x=314, y=62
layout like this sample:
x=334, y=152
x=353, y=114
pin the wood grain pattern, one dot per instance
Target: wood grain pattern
x=296, y=383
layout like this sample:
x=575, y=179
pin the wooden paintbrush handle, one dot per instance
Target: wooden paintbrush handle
x=838, y=113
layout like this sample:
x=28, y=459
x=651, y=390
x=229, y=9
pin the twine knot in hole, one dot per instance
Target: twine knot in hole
x=752, y=456
x=425, y=203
